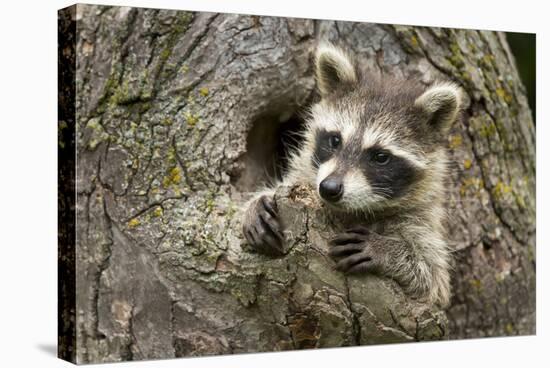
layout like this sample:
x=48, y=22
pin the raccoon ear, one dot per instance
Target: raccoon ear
x=441, y=104
x=333, y=68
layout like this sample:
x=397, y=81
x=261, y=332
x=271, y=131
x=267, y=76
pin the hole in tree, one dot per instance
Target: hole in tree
x=268, y=145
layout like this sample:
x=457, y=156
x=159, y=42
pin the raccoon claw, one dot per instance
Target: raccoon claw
x=352, y=253
x=357, y=263
x=262, y=229
x=356, y=235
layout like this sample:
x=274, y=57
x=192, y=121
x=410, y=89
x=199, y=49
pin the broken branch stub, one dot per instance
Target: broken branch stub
x=329, y=308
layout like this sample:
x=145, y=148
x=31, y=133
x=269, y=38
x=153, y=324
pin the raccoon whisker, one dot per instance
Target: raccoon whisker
x=292, y=146
x=295, y=135
x=383, y=188
x=384, y=192
x=315, y=161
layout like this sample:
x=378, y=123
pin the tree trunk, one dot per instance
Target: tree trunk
x=180, y=115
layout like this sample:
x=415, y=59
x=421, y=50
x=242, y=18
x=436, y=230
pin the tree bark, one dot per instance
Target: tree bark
x=177, y=116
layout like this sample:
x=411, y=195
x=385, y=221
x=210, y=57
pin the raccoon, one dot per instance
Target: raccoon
x=373, y=147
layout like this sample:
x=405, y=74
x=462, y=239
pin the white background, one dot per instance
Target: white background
x=28, y=181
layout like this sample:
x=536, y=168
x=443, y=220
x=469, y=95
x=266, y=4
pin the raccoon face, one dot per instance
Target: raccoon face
x=354, y=176
x=374, y=141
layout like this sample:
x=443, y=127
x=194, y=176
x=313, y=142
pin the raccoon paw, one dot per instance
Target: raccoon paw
x=262, y=229
x=353, y=253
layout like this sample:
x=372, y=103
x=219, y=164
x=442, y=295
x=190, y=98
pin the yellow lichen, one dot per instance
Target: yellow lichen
x=501, y=92
x=191, y=119
x=210, y=204
x=467, y=164
x=473, y=183
x=488, y=60
x=414, y=42
x=98, y=133
x=158, y=212
x=455, y=141
x=172, y=158
x=488, y=130
x=165, y=54
x=456, y=58
x=203, y=91
x=500, y=189
x=173, y=177
x=133, y=223
x=520, y=201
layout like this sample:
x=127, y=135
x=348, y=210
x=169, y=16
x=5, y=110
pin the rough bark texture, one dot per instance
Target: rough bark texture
x=166, y=101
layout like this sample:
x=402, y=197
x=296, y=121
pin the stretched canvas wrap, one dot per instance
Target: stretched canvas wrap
x=239, y=183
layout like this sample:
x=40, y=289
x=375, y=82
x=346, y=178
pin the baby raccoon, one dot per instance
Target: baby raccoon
x=374, y=148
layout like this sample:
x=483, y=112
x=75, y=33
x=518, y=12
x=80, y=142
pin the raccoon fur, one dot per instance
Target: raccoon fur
x=374, y=147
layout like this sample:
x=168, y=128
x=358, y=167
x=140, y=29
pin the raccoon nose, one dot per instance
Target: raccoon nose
x=331, y=189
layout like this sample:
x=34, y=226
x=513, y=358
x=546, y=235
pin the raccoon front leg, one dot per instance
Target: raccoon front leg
x=261, y=226
x=419, y=264
x=355, y=252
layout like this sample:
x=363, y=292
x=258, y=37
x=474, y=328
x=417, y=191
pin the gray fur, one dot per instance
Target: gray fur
x=410, y=122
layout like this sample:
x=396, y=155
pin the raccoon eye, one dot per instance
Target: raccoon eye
x=381, y=158
x=334, y=141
